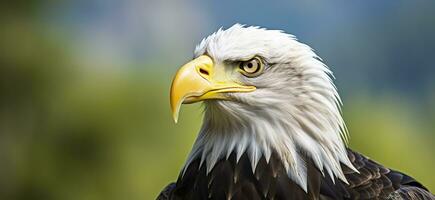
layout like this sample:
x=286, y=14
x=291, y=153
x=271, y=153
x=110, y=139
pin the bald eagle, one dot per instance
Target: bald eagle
x=272, y=126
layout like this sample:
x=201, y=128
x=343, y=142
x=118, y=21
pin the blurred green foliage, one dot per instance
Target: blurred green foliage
x=79, y=132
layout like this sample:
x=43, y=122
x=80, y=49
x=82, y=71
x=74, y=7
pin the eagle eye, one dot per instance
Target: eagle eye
x=251, y=68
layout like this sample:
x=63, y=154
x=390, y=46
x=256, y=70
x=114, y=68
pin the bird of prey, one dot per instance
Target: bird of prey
x=272, y=126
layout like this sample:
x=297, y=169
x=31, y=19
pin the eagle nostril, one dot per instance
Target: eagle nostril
x=203, y=71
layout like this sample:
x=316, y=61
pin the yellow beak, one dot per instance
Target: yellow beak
x=196, y=81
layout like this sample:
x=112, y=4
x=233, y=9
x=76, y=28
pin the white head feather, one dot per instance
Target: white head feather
x=295, y=109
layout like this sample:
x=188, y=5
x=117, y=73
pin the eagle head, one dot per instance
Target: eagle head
x=264, y=93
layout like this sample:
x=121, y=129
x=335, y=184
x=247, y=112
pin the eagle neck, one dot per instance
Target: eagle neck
x=229, y=127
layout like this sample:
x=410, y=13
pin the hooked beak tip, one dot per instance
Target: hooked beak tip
x=175, y=106
x=175, y=117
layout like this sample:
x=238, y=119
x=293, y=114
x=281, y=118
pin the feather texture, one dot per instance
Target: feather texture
x=230, y=179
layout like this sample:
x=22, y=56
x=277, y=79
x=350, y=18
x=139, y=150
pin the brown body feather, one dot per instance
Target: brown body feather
x=236, y=180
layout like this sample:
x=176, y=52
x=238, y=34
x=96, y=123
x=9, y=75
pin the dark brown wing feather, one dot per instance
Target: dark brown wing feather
x=411, y=192
x=235, y=180
x=166, y=192
x=373, y=181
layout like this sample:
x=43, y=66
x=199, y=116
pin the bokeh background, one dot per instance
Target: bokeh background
x=84, y=110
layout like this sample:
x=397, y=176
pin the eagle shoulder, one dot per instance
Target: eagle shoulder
x=165, y=194
x=374, y=181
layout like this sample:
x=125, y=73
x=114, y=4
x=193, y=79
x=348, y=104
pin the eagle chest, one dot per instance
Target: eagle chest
x=230, y=179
